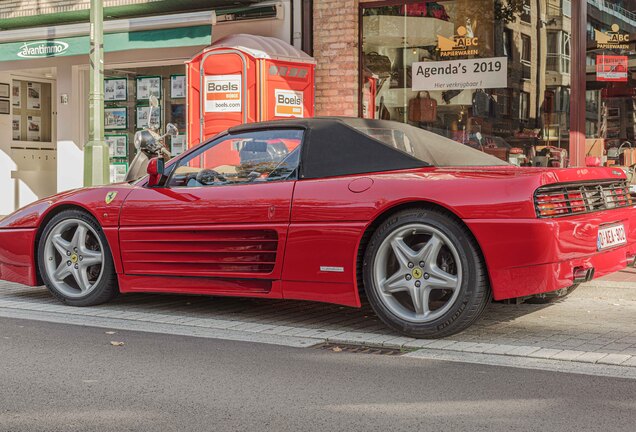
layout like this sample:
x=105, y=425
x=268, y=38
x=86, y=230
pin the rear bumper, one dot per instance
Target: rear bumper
x=17, y=257
x=533, y=256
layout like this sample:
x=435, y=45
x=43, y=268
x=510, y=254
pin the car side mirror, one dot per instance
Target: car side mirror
x=155, y=171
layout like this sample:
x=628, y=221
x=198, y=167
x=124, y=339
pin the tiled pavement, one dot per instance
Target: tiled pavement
x=624, y=277
x=596, y=324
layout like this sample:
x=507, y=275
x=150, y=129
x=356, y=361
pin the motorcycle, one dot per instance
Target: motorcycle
x=150, y=144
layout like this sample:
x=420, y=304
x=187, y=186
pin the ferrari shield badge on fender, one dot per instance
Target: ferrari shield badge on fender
x=110, y=196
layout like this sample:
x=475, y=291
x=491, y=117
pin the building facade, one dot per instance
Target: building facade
x=44, y=78
x=534, y=82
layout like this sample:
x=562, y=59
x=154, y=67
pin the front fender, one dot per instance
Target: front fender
x=20, y=230
x=93, y=200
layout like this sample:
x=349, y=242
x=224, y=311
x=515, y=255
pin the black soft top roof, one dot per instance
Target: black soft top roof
x=332, y=148
x=335, y=146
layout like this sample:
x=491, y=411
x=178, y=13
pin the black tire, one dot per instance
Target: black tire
x=474, y=288
x=552, y=296
x=107, y=287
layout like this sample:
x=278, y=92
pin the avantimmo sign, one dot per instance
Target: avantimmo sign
x=80, y=45
x=42, y=49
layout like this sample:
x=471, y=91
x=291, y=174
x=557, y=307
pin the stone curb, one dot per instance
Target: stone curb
x=163, y=328
x=495, y=349
x=547, y=365
x=287, y=335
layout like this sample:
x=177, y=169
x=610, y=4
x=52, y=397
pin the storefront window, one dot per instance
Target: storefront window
x=610, y=99
x=492, y=75
x=126, y=108
x=31, y=111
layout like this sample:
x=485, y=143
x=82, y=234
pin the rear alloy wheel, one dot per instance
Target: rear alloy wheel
x=424, y=275
x=75, y=260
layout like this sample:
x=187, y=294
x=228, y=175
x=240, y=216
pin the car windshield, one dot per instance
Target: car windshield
x=424, y=145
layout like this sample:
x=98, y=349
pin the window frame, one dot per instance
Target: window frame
x=524, y=106
x=562, y=51
x=525, y=57
x=197, y=152
x=526, y=15
x=508, y=44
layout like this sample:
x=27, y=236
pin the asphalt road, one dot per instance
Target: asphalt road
x=61, y=377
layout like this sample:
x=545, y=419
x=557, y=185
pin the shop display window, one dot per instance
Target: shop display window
x=610, y=98
x=492, y=75
x=126, y=97
x=31, y=105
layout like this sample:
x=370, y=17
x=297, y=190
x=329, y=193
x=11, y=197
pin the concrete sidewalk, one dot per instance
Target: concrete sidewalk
x=596, y=324
x=625, y=278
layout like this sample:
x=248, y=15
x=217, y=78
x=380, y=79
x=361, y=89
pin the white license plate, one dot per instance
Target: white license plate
x=611, y=236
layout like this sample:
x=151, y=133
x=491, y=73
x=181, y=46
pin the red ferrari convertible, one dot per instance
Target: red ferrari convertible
x=328, y=209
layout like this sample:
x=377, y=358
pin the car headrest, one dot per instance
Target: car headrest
x=255, y=147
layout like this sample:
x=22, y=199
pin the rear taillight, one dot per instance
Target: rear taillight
x=551, y=205
x=577, y=202
x=564, y=199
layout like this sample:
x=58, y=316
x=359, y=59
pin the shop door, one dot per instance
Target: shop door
x=610, y=97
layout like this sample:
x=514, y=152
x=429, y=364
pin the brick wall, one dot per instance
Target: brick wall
x=336, y=51
x=25, y=8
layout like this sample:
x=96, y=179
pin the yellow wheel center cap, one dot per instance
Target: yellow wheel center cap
x=417, y=273
x=74, y=258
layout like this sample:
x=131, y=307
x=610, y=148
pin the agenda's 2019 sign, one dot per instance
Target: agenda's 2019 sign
x=461, y=74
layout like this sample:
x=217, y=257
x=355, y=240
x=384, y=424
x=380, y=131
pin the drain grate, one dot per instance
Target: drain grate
x=357, y=349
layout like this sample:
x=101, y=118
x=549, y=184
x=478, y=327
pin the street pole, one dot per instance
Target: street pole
x=96, y=162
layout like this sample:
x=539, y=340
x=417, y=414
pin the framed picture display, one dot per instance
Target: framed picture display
x=17, y=102
x=117, y=145
x=115, y=89
x=147, y=86
x=177, y=144
x=118, y=172
x=143, y=113
x=5, y=106
x=178, y=116
x=116, y=118
x=33, y=128
x=4, y=90
x=34, y=91
x=177, y=86
x=16, y=126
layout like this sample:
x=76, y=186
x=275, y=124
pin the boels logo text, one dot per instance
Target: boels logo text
x=223, y=93
x=222, y=87
x=612, y=39
x=288, y=103
x=464, y=43
x=42, y=49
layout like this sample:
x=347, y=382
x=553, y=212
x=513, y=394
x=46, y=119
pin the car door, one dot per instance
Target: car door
x=222, y=214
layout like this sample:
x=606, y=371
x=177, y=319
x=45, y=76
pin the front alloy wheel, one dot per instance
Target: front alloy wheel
x=75, y=260
x=423, y=274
